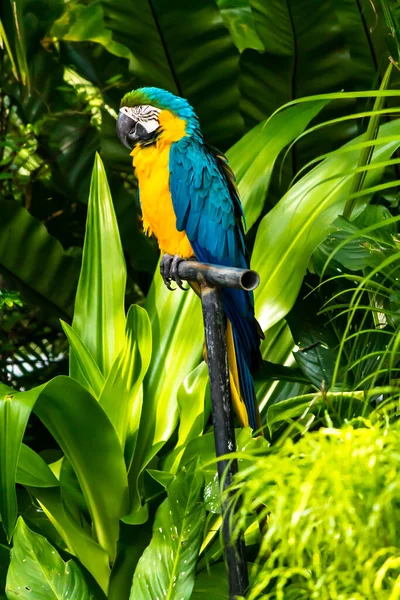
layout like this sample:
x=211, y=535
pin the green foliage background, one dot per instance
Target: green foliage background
x=303, y=96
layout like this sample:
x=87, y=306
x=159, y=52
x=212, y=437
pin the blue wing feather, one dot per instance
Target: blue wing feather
x=207, y=207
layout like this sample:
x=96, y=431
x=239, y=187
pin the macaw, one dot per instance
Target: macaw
x=190, y=202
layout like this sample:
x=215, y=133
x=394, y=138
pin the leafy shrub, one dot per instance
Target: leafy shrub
x=332, y=502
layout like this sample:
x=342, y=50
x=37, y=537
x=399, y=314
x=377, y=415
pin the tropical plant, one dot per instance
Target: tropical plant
x=95, y=417
x=122, y=448
x=332, y=532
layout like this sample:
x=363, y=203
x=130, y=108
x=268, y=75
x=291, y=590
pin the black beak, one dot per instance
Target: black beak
x=130, y=131
x=126, y=130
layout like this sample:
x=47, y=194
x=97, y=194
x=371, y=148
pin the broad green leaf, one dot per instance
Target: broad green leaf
x=80, y=23
x=180, y=54
x=23, y=235
x=77, y=540
x=310, y=47
x=89, y=441
x=177, y=328
x=253, y=157
x=86, y=436
x=72, y=497
x=32, y=470
x=316, y=339
x=130, y=549
x=346, y=404
x=266, y=77
x=211, y=584
x=238, y=18
x=37, y=572
x=167, y=566
x=92, y=378
x=15, y=409
x=121, y=397
x=276, y=348
x=270, y=371
x=99, y=317
x=4, y=563
x=193, y=413
x=302, y=219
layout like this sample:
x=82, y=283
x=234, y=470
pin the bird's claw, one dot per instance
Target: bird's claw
x=169, y=271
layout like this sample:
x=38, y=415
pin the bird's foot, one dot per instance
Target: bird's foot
x=169, y=271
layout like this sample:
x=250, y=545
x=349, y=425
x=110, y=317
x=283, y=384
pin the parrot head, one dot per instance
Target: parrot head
x=139, y=116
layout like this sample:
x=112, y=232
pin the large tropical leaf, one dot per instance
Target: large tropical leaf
x=32, y=470
x=78, y=541
x=80, y=23
x=14, y=414
x=198, y=61
x=90, y=375
x=99, y=316
x=37, y=572
x=239, y=20
x=310, y=47
x=121, y=397
x=316, y=339
x=193, y=413
x=253, y=157
x=341, y=406
x=84, y=433
x=211, y=584
x=25, y=246
x=290, y=232
x=177, y=328
x=167, y=567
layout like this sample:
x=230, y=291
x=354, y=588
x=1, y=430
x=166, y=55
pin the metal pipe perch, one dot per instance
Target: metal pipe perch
x=211, y=278
x=214, y=275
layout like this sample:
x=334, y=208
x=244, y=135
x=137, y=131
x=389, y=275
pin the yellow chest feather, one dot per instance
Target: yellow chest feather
x=151, y=165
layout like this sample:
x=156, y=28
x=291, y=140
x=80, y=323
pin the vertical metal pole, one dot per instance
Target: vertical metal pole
x=224, y=431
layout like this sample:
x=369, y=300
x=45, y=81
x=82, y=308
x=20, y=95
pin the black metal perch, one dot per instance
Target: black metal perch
x=211, y=278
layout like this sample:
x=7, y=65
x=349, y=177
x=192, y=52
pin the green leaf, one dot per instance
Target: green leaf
x=316, y=340
x=192, y=413
x=177, y=328
x=12, y=22
x=238, y=18
x=37, y=572
x=167, y=566
x=72, y=497
x=77, y=540
x=291, y=231
x=4, y=41
x=253, y=157
x=121, y=397
x=310, y=47
x=346, y=405
x=370, y=134
x=23, y=235
x=99, y=317
x=180, y=57
x=91, y=376
x=15, y=409
x=86, y=436
x=211, y=584
x=32, y=470
x=270, y=371
x=80, y=23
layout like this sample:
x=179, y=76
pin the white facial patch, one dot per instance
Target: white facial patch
x=145, y=114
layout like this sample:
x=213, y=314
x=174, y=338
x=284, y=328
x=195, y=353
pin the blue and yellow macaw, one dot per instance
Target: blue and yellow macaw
x=190, y=203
